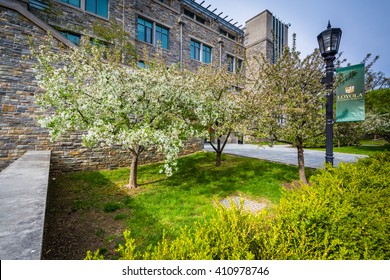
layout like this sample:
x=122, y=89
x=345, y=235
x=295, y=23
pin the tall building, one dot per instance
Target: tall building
x=265, y=34
x=188, y=32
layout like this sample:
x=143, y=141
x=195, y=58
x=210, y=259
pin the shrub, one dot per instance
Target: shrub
x=344, y=214
x=229, y=235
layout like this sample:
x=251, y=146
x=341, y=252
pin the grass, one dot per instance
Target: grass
x=164, y=204
x=367, y=147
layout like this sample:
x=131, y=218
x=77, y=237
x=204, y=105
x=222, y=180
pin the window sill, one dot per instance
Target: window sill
x=192, y=59
x=151, y=45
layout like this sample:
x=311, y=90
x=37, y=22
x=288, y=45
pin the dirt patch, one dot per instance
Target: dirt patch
x=69, y=236
x=292, y=185
x=69, y=232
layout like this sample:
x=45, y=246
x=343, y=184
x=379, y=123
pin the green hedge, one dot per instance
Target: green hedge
x=342, y=214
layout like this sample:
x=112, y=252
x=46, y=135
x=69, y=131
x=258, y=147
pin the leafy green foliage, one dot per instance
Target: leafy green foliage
x=378, y=116
x=284, y=101
x=378, y=101
x=231, y=234
x=343, y=215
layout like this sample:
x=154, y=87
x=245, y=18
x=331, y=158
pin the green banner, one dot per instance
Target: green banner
x=350, y=94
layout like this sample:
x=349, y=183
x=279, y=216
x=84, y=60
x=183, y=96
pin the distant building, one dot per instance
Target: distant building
x=265, y=34
x=188, y=32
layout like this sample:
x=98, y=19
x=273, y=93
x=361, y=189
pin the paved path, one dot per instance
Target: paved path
x=248, y=204
x=284, y=154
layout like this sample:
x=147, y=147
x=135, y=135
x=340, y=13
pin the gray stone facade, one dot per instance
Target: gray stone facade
x=19, y=131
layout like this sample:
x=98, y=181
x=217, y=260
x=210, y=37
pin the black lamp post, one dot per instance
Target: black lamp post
x=329, y=42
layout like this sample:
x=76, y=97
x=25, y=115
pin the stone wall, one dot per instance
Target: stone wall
x=19, y=113
x=19, y=132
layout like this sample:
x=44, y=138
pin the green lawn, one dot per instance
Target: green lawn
x=367, y=147
x=166, y=204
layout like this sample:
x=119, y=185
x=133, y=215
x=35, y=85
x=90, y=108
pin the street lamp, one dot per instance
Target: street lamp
x=329, y=42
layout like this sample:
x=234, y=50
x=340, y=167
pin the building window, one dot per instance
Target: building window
x=189, y=13
x=195, y=50
x=194, y=16
x=145, y=31
x=200, y=52
x=74, y=38
x=223, y=32
x=200, y=19
x=239, y=64
x=230, y=36
x=234, y=63
x=162, y=36
x=279, y=30
x=152, y=33
x=38, y=4
x=97, y=7
x=206, y=58
x=75, y=3
x=227, y=34
x=230, y=60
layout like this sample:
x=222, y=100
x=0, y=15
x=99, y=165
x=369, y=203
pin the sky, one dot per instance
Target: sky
x=365, y=23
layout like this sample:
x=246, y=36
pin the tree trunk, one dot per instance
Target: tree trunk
x=134, y=166
x=301, y=164
x=133, y=170
x=218, y=160
x=218, y=152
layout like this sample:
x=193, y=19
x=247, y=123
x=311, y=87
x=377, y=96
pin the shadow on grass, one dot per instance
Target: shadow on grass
x=89, y=211
x=258, y=177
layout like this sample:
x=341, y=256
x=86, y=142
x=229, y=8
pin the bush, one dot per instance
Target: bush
x=343, y=214
x=229, y=235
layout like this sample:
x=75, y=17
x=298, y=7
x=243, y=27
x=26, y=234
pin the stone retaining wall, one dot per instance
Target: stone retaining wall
x=23, y=191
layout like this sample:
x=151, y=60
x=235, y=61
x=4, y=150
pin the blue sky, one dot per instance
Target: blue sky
x=365, y=24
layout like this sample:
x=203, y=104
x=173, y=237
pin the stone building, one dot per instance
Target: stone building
x=188, y=32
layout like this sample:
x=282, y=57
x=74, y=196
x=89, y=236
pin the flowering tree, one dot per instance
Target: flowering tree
x=217, y=109
x=113, y=103
x=285, y=101
x=378, y=113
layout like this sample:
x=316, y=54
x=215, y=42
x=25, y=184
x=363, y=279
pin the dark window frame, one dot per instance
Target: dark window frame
x=145, y=28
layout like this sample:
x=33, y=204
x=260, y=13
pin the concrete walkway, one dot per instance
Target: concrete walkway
x=284, y=154
x=23, y=189
x=247, y=204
